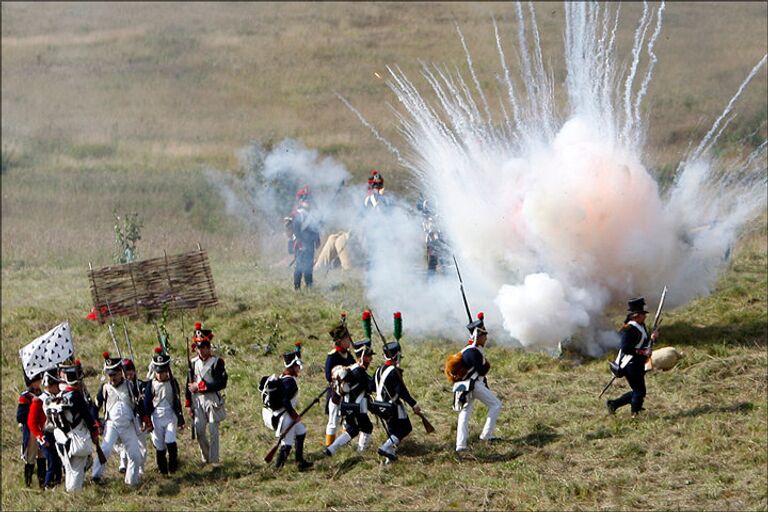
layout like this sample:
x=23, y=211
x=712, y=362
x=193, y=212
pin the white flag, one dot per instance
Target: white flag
x=48, y=350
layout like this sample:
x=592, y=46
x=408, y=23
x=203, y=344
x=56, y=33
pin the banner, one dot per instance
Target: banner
x=48, y=350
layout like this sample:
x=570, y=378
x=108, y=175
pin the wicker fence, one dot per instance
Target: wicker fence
x=183, y=281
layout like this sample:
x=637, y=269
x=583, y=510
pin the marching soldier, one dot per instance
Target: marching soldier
x=354, y=406
x=339, y=356
x=75, y=429
x=42, y=429
x=475, y=386
x=391, y=391
x=130, y=373
x=282, y=416
x=635, y=347
x=162, y=401
x=120, y=400
x=204, y=394
x=30, y=452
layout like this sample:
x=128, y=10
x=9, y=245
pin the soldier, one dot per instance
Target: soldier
x=475, y=386
x=119, y=398
x=391, y=391
x=357, y=386
x=42, y=429
x=339, y=356
x=283, y=415
x=162, y=401
x=634, y=352
x=30, y=452
x=304, y=236
x=204, y=394
x=75, y=429
x=130, y=373
x=375, y=197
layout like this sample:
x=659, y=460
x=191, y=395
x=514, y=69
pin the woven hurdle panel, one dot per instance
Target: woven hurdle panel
x=182, y=281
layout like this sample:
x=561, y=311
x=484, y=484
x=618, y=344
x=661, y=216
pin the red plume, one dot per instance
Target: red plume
x=298, y=343
x=343, y=315
x=105, y=355
x=480, y=315
x=366, y=314
x=158, y=350
x=198, y=326
x=77, y=362
x=398, y=314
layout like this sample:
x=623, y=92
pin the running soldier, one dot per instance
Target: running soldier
x=30, y=451
x=119, y=398
x=204, y=394
x=75, y=429
x=42, y=429
x=475, y=386
x=391, y=391
x=356, y=386
x=339, y=356
x=162, y=401
x=281, y=397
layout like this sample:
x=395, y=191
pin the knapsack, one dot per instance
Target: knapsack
x=271, y=391
x=339, y=383
x=455, y=369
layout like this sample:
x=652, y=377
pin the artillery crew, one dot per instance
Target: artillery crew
x=42, y=428
x=339, y=356
x=119, y=397
x=203, y=394
x=391, y=392
x=75, y=429
x=634, y=353
x=474, y=386
x=355, y=385
x=162, y=401
x=280, y=412
x=30, y=452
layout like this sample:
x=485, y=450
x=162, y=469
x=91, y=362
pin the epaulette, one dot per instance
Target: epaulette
x=24, y=398
x=332, y=352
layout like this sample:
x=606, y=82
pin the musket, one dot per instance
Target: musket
x=461, y=286
x=128, y=341
x=190, y=377
x=428, y=427
x=133, y=389
x=656, y=323
x=271, y=454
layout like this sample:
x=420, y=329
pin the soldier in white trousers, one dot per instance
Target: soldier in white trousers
x=119, y=398
x=75, y=428
x=203, y=394
x=162, y=400
x=475, y=387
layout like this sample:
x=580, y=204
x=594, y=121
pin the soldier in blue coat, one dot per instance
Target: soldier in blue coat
x=634, y=353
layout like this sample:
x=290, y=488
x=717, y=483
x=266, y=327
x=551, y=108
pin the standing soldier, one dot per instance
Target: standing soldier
x=119, y=398
x=204, y=394
x=75, y=429
x=339, y=356
x=358, y=386
x=475, y=386
x=42, y=429
x=282, y=417
x=634, y=353
x=304, y=236
x=391, y=391
x=162, y=401
x=375, y=197
x=30, y=452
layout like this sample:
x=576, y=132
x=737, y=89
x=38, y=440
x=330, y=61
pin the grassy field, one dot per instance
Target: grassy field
x=123, y=106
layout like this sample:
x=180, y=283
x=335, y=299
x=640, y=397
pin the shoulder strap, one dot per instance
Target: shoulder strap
x=381, y=378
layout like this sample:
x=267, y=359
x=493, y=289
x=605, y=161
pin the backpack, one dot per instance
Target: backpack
x=339, y=383
x=271, y=392
x=455, y=369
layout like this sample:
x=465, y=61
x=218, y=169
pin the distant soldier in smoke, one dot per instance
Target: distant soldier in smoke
x=475, y=386
x=433, y=238
x=304, y=238
x=634, y=352
x=339, y=356
x=375, y=198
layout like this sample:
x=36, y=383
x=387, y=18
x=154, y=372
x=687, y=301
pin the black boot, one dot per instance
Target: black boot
x=29, y=470
x=41, y=468
x=162, y=462
x=300, y=462
x=173, y=457
x=282, y=455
